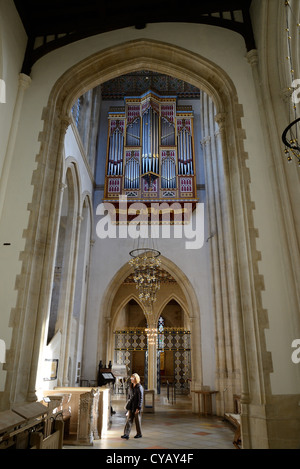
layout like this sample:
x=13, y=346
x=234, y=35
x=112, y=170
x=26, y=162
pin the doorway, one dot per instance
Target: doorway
x=166, y=368
x=138, y=364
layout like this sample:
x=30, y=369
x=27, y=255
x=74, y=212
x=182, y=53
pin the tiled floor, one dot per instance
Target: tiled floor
x=171, y=426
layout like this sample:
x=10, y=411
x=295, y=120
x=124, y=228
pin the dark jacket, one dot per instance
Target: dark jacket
x=135, y=397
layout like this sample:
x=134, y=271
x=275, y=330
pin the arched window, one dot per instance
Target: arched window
x=161, y=335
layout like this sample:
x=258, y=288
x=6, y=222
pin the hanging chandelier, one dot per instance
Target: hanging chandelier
x=290, y=134
x=146, y=262
x=290, y=140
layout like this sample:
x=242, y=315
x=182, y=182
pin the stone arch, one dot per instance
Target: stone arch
x=69, y=220
x=138, y=55
x=192, y=304
x=111, y=324
x=122, y=274
x=175, y=297
x=59, y=322
x=82, y=255
x=83, y=196
x=124, y=301
x=247, y=283
x=86, y=198
x=191, y=308
x=86, y=201
x=71, y=164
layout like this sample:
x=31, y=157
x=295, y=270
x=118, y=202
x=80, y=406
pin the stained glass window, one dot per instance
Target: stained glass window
x=161, y=326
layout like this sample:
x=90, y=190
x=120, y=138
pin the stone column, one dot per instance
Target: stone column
x=196, y=360
x=231, y=383
x=152, y=365
x=108, y=356
x=213, y=202
x=152, y=352
x=220, y=239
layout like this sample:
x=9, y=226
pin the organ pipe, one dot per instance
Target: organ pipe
x=185, y=153
x=150, y=141
x=115, y=157
x=168, y=173
x=133, y=134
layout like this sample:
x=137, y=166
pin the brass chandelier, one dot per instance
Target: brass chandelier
x=146, y=262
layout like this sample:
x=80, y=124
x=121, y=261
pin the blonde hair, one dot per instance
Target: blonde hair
x=136, y=377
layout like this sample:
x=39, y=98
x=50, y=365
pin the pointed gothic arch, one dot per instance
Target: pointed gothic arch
x=110, y=310
x=173, y=296
x=121, y=305
x=245, y=281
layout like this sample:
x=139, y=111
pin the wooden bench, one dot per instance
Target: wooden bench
x=235, y=420
x=28, y=426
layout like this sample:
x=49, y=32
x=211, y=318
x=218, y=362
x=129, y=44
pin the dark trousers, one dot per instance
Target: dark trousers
x=130, y=418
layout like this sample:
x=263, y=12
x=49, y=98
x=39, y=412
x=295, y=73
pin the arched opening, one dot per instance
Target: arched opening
x=64, y=218
x=207, y=87
x=176, y=360
x=173, y=314
x=80, y=292
x=236, y=243
x=61, y=295
x=131, y=315
x=174, y=363
x=65, y=324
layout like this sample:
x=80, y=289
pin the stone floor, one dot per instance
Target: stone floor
x=172, y=426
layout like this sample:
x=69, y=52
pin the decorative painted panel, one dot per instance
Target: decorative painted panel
x=186, y=185
x=133, y=113
x=114, y=185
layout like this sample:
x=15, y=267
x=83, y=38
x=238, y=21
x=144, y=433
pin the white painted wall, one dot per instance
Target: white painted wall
x=109, y=255
x=272, y=178
x=12, y=47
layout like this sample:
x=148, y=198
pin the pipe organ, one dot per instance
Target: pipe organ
x=150, y=151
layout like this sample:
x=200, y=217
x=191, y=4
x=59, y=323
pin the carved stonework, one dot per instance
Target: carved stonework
x=84, y=433
x=88, y=417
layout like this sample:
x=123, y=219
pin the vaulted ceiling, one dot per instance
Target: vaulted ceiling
x=51, y=24
x=137, y=83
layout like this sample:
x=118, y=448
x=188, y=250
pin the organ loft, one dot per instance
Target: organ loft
x=150, y=152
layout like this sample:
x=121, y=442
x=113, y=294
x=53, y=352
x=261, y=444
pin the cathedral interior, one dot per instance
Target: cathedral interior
x=149, y=220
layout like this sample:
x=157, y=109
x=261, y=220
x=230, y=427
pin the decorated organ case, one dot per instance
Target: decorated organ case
x=150, y=151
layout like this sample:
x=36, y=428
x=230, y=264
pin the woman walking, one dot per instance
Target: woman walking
x=134, y=407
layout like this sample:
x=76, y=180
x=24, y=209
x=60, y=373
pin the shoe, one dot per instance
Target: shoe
x=138, y=436
x=126, y=437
